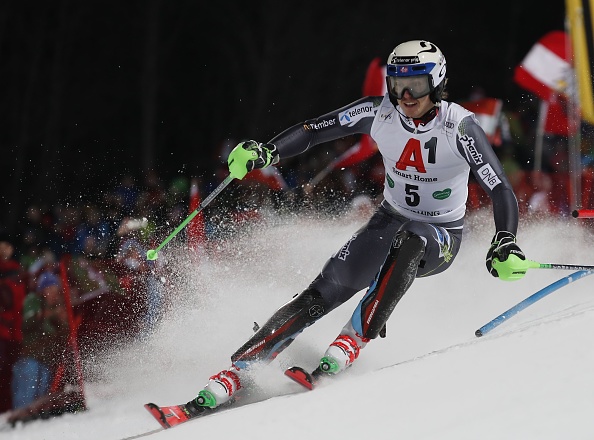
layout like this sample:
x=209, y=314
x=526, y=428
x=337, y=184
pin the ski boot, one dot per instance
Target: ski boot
x=220, y=389
x=343, y=351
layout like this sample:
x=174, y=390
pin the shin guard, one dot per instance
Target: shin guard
x=282, y=328
x=395, y=277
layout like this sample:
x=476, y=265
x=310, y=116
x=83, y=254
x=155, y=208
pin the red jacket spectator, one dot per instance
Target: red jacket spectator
x=12, y=294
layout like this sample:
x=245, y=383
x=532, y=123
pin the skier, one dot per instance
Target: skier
x=428, y=147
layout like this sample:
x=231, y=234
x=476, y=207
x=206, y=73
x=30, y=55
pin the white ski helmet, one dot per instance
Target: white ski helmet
x=417, y=66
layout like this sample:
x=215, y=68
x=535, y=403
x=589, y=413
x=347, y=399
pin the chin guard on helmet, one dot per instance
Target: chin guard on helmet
x=419, y=67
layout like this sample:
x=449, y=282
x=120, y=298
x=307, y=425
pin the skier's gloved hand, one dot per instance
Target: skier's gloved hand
x=250, y=155
x=509, y=255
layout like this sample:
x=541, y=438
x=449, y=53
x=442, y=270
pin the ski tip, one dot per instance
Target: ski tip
x=156, y=412
x=300, y=376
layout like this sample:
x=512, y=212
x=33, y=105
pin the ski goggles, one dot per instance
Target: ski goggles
x=418, y=85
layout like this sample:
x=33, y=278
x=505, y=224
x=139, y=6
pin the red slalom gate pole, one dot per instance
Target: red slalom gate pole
x=73, y=327
x=195, y=236
x=583, y=213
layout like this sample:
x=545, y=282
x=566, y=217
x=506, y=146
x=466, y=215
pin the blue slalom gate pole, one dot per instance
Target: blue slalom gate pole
x=531, y=300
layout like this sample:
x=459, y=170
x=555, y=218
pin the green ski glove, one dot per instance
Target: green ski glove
x=509, y=257
x=250, y=155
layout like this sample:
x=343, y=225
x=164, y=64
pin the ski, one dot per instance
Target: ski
x=170, y=416
x=303, y=378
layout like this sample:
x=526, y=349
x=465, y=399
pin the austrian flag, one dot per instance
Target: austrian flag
x=546, y=68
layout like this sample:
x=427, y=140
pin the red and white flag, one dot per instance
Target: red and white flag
x=546, y=69
x=547, y=72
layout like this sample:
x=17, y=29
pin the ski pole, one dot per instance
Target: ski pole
x=152, y=254
x=531, y=300
x=515, y=268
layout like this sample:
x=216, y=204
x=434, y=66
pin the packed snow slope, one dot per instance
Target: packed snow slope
x=430, y=378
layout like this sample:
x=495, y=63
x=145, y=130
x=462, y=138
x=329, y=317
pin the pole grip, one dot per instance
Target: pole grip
x=515, y=268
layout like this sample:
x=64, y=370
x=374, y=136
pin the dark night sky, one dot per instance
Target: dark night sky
x=94, y=89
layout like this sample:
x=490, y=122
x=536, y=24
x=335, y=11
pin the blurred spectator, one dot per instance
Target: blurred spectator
x=132, y=252
x=178, y=191
x=12, y=294
x=90, y=278
x=92, y=234
x=44, y=258
x=45, y=335
x=138, y=274
x=33, y=229
x=67, y=224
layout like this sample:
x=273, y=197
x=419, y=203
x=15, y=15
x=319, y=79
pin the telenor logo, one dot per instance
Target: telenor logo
x=354, y=114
